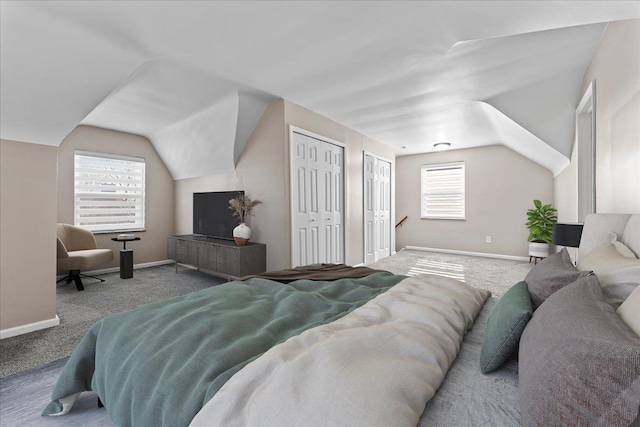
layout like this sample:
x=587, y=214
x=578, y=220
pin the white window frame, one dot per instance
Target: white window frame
x=119, y=184
x=449, y=186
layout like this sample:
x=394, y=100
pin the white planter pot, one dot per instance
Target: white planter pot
x=241, y=234
x=540, y=250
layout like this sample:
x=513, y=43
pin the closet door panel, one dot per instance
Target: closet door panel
x=303, y=244
x=383, y=208
x=315, y=247
x=369, y=210
x=300, y=190
x=317, y=184
x=377, y=208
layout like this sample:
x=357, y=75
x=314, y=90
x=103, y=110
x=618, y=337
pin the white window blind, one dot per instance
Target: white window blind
x=109, y=192
x=442, y=191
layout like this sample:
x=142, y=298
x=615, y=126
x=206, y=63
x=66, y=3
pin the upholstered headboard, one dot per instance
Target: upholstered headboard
x=597, y=228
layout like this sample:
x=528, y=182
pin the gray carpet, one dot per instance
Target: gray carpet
x=23, y=395
x=492, y=274
x=79, y=310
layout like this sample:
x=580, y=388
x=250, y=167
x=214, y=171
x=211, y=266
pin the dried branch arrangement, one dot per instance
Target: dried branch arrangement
x=243, y=206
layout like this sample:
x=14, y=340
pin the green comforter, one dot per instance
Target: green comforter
x=159, y=364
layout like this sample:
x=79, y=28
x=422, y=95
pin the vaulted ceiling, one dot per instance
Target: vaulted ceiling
x=194, y=77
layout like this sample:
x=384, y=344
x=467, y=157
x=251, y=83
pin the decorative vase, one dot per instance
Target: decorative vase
x=241, y=234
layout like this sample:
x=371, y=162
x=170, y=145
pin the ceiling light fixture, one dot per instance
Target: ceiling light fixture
x=442, y=146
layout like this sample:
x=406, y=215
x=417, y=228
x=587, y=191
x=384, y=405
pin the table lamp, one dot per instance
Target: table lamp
x=567, y=234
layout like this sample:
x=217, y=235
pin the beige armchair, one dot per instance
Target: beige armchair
x=78, y=251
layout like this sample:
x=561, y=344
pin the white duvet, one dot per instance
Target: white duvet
x=377, y=366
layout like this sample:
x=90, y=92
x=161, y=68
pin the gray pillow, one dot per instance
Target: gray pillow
x=504, y=327
x=550, y=275
x=579, y=363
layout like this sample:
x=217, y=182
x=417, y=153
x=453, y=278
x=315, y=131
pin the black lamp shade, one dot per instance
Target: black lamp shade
x=567, y=234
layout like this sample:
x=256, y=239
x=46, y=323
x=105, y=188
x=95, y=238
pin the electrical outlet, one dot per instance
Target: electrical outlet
x=487, y=239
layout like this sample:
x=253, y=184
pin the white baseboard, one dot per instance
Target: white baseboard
x=135, y=267
x=362, y=264
x=456, y=252
x=30, y=327
x=117, y=269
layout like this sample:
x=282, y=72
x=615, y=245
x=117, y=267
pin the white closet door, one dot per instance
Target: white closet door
x=377, y=208
x=317, y=200
x=369, y=210
x=300, y=200
x=383, y=208
x=336, y=213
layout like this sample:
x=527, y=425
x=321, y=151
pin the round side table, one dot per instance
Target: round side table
x=126, y=257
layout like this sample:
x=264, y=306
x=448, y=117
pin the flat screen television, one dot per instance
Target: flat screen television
x=212, y=216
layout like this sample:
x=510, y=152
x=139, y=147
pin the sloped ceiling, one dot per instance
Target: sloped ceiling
x=194, y=77
x=197, y=122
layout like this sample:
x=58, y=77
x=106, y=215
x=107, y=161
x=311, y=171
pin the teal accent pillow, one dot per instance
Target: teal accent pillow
x=505, y=325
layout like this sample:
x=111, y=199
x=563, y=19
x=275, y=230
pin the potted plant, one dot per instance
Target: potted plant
x=540, y=222
x=242, y=207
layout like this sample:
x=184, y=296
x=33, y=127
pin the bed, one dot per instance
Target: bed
x=345, y=346
x=575, y=331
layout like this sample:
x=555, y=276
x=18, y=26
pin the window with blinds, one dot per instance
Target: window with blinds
x=108, y=192
x=442, y=191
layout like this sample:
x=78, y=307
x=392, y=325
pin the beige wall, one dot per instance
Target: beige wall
x=566, y=190
x=28, y=224
x=615, y=67
x=500, y=186
x=159, y=190
x=263, y=172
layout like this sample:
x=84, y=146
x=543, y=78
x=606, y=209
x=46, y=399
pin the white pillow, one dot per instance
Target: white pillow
x=621, y=247
x=629, y=311
x=618, y=275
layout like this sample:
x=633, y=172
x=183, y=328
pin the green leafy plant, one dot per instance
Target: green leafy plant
x=243, y=206
x=540, y=222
